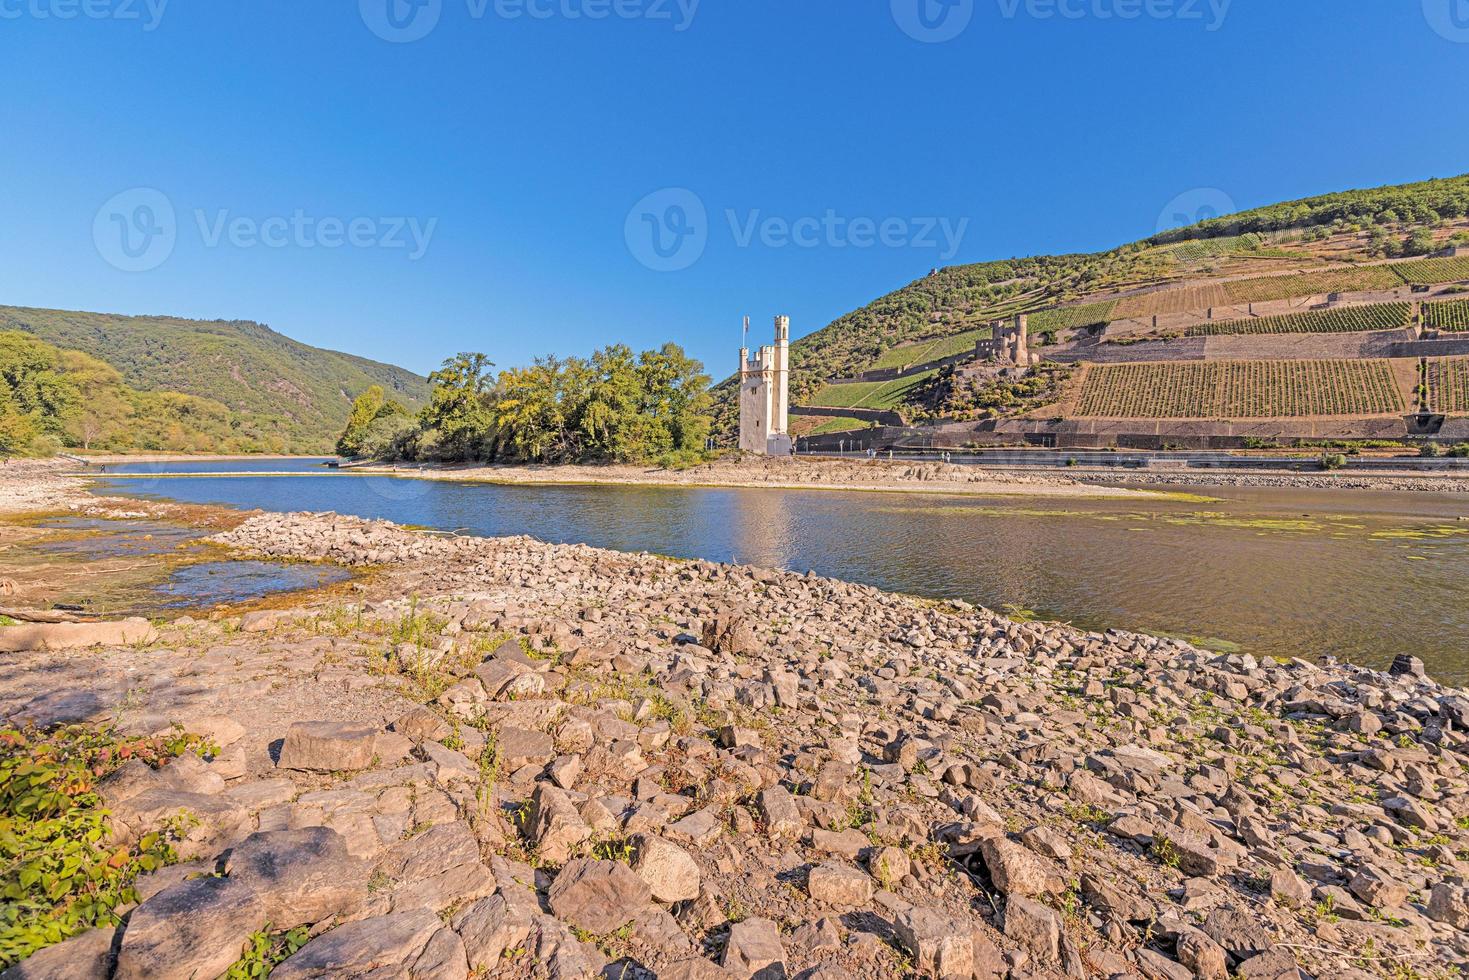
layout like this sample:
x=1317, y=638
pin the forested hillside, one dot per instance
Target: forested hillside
x=52, y=398
x=282, y=396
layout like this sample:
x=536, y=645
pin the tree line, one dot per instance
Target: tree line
x=612, y=407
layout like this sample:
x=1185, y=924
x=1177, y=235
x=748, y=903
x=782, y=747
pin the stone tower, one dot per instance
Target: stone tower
x=765, y=395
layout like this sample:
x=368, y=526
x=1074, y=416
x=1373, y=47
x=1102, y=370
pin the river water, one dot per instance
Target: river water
x=1360, y=575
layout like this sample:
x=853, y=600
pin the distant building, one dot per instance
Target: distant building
x=1009, y=343
x=765, y=395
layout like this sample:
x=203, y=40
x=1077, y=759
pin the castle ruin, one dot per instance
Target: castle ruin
x=1009, y=343
x=765, y=394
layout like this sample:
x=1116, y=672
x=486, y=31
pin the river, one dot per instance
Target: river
x=1360, y=575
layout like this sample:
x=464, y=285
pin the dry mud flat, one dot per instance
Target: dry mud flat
x=514, y=759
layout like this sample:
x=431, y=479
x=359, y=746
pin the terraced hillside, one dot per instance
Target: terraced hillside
x=1447, y=381
x=1346, y=319
x=1349, y=242
x=1452, y=315
x=1240, y=390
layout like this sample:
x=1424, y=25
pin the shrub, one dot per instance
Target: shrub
x=59, y=875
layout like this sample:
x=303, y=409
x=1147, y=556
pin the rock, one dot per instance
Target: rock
x=300, y=876
x=888, y=865
x=84, y=957
x=1241, y=934
x=670, y=872
x=598, y=896
x=754, y=950
x=778, y=810
x=419, y=724
x=555, y=826
x=840, y=886
x=941, y=945
x=1378, y=888
x=728, y=633
x=695, y=968
x=518, y=747
x=383, y=946
x=490, y=926
x=75, y=636
x=1194, y=853
x=193, y=929
x=436, y=869
x=330, y=746
x=1449, y=904
x=1202, y=955
x=1033, y=925
x=1287, y=887
x=1016, y=870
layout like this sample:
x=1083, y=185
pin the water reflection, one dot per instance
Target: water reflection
x=1361, y=575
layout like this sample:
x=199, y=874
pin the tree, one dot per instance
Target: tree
x=460, y=410
x=368, y=409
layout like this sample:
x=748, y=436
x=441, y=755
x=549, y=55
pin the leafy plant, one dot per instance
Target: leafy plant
x=60, y=873
x=265, y=950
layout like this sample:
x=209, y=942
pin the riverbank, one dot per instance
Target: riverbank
x=1282, y=480
x=797, y=473
x=704, y=770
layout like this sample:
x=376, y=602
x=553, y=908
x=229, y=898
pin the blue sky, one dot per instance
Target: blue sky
x=495, y=184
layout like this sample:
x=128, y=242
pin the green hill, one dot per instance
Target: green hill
x=283, y=396
x=1325, y=233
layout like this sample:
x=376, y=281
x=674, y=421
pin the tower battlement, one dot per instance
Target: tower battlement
x=765, y=394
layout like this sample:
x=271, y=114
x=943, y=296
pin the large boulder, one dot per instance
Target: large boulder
x=84, y=957
x=333, y=746
x=668, y=869
x=942, y=946
x=754, y=949
x=196, y=928
x=75, y=636
x=598, y=896
x=387, y=945
x=301, y=876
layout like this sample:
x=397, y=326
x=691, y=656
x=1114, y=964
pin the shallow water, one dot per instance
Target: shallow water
x=169, y=578
x=1361, y=575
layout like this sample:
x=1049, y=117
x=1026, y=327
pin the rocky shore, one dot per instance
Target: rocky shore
x=504, y=758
